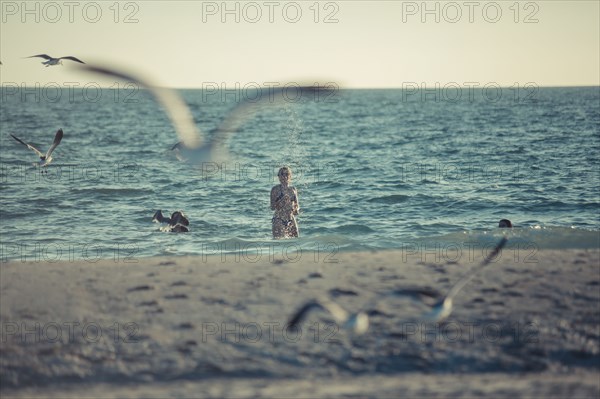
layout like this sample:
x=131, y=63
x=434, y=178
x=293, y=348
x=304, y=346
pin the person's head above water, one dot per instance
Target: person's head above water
x=285, y=175
x=505, y=223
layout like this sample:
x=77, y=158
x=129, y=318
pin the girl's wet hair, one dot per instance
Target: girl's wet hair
x=285, y=171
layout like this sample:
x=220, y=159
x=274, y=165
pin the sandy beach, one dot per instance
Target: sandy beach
x=527, y=326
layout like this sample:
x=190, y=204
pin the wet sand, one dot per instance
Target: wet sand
x=527, y=326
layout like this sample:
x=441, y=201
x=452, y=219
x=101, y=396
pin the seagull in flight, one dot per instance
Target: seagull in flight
x=46, y=158
x=191, y=146
x=55, y=61
x=359, y=322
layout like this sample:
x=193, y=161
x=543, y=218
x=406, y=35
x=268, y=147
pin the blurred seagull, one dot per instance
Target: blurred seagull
x=359, y=322
x=443, y=308
x=55, y=61
x=191, y=146
x=46, y=158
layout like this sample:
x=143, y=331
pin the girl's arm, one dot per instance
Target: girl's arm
x=273, y=198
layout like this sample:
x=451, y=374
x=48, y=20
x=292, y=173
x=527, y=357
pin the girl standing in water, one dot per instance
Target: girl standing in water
x=284, y=201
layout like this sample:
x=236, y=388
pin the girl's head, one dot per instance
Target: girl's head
x=285, y=175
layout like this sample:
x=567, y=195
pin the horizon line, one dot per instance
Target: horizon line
x=3, y=86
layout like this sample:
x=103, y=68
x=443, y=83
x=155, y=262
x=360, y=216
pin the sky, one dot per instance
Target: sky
x=357, y=44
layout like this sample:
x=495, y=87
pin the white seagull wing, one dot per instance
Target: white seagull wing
x=176, y=109
x=57, y=138
x=471, y=273
x=249, y=108
x=38, y=152
x=339, y=314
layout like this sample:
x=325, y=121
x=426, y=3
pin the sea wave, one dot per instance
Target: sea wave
x=537, y=237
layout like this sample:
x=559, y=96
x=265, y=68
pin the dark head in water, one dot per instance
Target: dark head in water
x=505, y=223
x=178, y=217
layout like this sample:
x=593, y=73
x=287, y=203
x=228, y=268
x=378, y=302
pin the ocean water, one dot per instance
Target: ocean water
x=375, y=169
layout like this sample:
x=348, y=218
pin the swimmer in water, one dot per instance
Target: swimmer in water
x=284, y=201
x=505, y=223
x=177, y=223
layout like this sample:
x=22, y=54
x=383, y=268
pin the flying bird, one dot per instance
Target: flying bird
x=191, y=146
x=46, y=158
x=359, y=321
x=55, y=61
